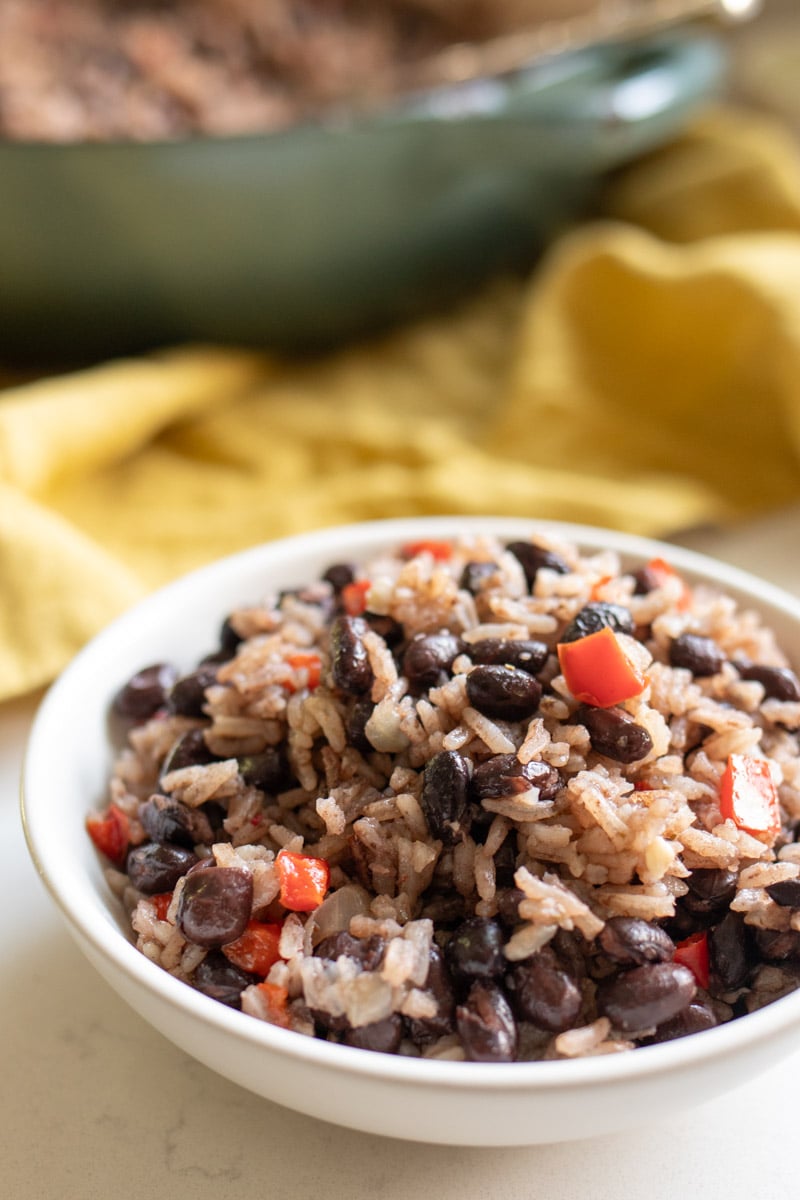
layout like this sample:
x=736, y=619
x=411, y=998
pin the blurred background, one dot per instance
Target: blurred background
x=272, y=266
x=295, y=173
x=764, y=57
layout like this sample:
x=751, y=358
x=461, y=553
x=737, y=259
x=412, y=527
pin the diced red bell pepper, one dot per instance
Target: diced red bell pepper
x=161, y=903
x=440, y=551
x=257, y=948
x=312, y=664
x=110, y=834
x=692, y=952
x=661, y=572
x=748, y=796
x=597, y=670
x=304, y=880
x=275, y=1000
x=354, y=596
x=597, y=588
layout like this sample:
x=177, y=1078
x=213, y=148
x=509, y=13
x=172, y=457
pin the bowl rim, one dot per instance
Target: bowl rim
x=94, y=927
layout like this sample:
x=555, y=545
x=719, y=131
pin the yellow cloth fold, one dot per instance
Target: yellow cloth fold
x=647, y=377
x=49, y=434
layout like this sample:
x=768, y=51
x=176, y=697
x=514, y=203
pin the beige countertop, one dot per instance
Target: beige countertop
x=95, y=1105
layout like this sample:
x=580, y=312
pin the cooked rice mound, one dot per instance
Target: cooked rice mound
x=514, y=873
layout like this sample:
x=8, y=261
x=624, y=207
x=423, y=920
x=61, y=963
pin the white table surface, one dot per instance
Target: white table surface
x=96, y=1104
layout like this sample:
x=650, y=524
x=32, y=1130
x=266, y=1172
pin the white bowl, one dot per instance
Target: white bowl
x=477, y=1104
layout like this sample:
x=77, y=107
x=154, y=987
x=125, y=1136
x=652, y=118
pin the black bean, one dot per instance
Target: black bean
x=221, y=980
x=349, y=659
x=475, y=575
x=188, y=694
x=153, y=868
x=204, y=864
x=338, y=575
x=216, y=815
x=508, y=900
x=215, y=905
x=328, y=947
x=596, y=616
x=542, y=993
x=356, y=723
x=215, y=659
x=786, y=893
x=614, y=733
x=779, y=683
x=190, y=750
x=229, y=639
x=386, y=627
x=486, y=1025
x=367, y=951
x=646, y=996
x=328, y=1023
x=778, y=945
x=713, y=884
x=445, y=795
x=634, y=942
x=710, y=891
x=503, y=692
x=475, y=951
x=700, y=655
x=528, y=655
x=438, y=982
x=480, y=822
x=383, y=1036
x=167, y=820
x=693, y=1019
x=145, y=692
x=505, y=775
x=268, y=771
x=570, y=949
x=505, y=864
x=532, y=558
x=683, y=923
x=647, y=579
x=730, y=954
x=428, y=658
x=445, y=909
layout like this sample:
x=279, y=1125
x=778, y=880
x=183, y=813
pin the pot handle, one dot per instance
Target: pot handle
x=629, y=98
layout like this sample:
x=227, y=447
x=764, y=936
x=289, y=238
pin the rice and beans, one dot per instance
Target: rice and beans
x=470, y=800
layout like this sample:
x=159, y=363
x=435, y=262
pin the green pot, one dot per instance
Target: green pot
x=302, y=238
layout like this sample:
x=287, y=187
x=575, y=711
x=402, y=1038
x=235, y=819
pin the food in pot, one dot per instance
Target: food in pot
x=89, y=70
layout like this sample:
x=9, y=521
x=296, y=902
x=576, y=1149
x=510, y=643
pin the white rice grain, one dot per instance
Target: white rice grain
x=490, y=734
x=194, y=786
x=331, y=814
x=574, y=1043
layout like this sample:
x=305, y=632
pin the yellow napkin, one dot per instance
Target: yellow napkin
x=647, y=377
